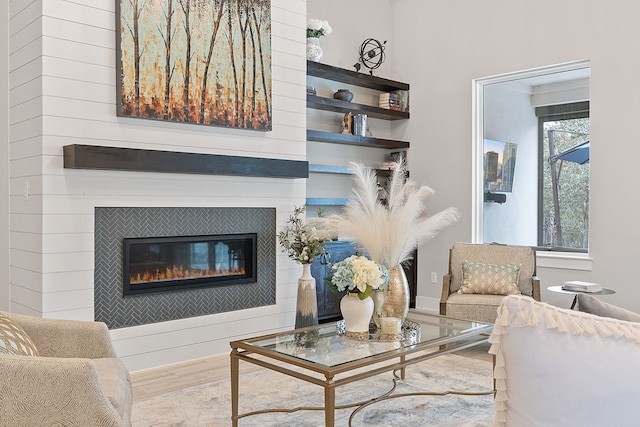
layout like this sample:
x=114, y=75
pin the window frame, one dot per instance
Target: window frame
x=574, y=110
x=558, y=259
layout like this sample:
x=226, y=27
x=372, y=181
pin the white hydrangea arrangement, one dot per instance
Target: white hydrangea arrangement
x=317, y=28
x=358, y=274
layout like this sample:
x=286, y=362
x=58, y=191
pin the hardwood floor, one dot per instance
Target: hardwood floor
x=165, y=379
x=156, y=381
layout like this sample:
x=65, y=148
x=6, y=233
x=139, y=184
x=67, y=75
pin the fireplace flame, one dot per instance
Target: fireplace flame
x=181, y=273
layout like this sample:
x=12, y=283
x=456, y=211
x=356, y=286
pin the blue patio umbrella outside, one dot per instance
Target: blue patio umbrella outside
x=576, y=154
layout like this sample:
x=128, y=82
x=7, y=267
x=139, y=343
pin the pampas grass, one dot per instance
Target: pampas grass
x=389, y=231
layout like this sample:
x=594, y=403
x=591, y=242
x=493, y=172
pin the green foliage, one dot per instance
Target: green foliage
x=301, y=241
x=573, y=187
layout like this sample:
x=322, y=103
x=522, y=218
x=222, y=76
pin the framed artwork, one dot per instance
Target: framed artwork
x=195, y=61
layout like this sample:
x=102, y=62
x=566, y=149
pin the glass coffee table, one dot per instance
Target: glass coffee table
x=324, y=356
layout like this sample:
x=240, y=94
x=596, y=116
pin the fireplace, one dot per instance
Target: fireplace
x=160, y=264
x=115, y=224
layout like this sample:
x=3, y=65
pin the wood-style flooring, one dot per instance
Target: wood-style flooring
x=165, y=379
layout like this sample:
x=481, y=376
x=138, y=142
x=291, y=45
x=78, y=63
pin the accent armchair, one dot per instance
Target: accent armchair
x=480, y=275
x=74, y=378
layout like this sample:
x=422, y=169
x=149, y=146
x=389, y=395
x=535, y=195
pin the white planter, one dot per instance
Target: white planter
x=356, y=313
x=314, y=50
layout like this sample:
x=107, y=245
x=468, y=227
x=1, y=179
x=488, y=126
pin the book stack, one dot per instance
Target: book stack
x=389, y=101
x=579, y=286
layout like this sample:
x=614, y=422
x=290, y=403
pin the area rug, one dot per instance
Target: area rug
x=209, y=405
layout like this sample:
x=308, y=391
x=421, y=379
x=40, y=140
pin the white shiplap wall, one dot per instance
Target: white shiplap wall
x=63, y=91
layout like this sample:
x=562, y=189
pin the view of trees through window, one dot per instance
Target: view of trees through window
x=565, y=217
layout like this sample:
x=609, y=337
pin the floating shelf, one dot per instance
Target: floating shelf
x=343, y=170
x=326, y=201
x=337, y=74
x=130, y=159
x=339, y=106
x=348, y=139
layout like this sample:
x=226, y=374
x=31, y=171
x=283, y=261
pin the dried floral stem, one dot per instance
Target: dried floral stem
x=389, y=231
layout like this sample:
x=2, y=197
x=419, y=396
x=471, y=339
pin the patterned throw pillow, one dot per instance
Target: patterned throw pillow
x=14, y=340
x=489, y=279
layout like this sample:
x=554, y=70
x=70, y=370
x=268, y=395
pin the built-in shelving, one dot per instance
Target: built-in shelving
x=345, y=170
x=336, y=74
x=329, y=72
x=326, y=201
x=339, y=106
x=363, y=80
x=348, y=139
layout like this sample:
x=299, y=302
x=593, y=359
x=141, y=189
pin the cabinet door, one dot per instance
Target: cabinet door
x=328, y=301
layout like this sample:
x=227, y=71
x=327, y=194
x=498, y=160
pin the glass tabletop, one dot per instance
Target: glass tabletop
x=326, y=345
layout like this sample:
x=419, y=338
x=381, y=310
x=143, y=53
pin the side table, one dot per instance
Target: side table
x=558, y=288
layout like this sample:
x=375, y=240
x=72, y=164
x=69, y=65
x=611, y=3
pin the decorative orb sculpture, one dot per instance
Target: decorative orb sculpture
x=372, y=54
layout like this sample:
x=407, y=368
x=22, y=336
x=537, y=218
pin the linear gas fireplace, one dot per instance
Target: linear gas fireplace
x=159, y=264
x=219, y=240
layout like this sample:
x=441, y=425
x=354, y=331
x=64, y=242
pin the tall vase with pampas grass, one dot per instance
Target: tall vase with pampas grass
x=389, y=222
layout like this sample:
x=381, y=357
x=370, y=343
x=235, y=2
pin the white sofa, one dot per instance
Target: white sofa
x=557, y=367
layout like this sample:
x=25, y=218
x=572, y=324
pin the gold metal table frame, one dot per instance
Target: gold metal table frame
x=328, y=359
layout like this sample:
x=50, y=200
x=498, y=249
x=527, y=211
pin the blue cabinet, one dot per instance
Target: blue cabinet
x=329, y=301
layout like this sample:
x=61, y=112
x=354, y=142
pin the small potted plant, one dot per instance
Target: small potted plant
x=359, y=276
x=316, y=28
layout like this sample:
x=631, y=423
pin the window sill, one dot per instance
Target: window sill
x=564, y=260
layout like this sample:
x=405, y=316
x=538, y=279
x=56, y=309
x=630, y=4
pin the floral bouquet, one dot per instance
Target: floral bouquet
x=357, y=274
x=317, y=28
x=301, y=241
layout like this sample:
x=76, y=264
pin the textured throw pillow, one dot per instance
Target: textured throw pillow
x=14, y=340
x=489, y=279
x=590, y=304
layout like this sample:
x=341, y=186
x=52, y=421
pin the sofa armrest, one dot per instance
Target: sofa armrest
x=535, y=288
x=53, y=391
x=554, y=364
x=67, y=338
x=446, y=291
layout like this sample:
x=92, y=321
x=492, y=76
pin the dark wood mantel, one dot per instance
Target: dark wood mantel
x=131, y=159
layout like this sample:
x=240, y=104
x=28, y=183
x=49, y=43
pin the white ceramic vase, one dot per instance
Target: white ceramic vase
x=306, y=304
x=314, y=50
x=356, y=313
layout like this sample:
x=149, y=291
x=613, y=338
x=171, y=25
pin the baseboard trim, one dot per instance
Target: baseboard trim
x=427, y=304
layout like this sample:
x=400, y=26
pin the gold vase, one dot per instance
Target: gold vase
x=394, y=300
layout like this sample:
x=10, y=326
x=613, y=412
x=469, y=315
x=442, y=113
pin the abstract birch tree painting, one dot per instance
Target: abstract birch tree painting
x=196, y=61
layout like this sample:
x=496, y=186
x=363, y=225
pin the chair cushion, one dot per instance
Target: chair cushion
x=14, y=340
x=474, y=307
x=590, y=304
x=116, y=383
x=489, y=279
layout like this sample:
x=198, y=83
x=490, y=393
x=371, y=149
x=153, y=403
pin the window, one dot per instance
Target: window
x=563, y=198
x=533, y=123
